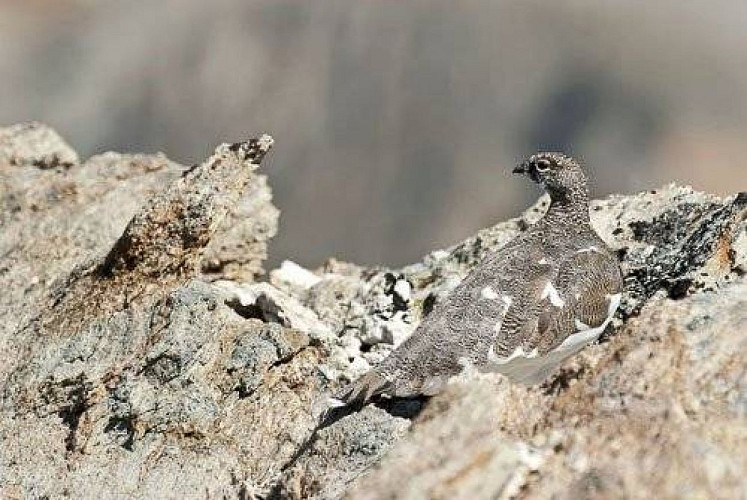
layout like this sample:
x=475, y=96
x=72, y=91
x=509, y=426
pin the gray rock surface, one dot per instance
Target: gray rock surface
x=140, y=358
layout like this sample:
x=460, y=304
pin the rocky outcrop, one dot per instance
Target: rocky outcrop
x=141, y=357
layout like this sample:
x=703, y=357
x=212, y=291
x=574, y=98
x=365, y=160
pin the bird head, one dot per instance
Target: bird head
x=559, y=174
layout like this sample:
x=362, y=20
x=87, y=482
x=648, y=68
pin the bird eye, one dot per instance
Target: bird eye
x=542, y=165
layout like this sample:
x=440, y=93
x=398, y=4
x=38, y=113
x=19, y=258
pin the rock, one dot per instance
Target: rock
x=340, y=453
x=291, y=275
x=115, y=355
x=457, y=452
x=140, y=358
x=53, y=219
x=265, y=302
x=240, y=248
x=37, y=145
x=170, y=233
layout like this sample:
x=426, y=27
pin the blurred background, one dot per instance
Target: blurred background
x=396, y=121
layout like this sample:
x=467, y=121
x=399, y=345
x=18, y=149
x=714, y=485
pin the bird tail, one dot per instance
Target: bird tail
x=361, y=391
x=329, y=408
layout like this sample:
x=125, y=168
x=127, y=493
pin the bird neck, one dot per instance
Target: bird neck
x=569, y=206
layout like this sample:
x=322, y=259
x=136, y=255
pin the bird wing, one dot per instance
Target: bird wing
x=459, y=331
x=573, y=306
x=587, y=284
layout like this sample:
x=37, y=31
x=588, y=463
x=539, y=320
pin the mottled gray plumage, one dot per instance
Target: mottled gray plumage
x=523, y=310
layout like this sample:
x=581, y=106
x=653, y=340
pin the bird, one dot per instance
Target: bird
x=523, y=310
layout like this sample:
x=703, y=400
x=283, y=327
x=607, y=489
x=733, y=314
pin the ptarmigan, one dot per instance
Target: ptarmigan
x=523, y=310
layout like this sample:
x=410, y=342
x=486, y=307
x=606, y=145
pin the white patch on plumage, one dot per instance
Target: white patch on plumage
x=532, y=369
x=335, y=403
x=542, y=261
x=585, y=333
x=552, y=292
x=580, y=325
x=518, y=353
x=489, y=293
x=589, y=249
x=507, y=301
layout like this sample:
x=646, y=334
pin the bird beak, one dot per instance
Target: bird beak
x=521, y=168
